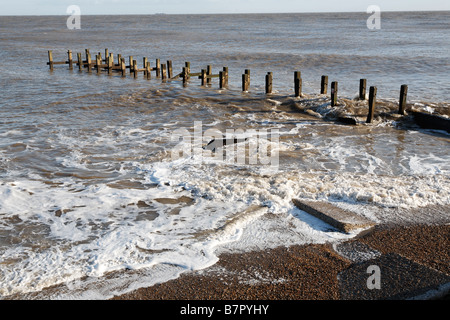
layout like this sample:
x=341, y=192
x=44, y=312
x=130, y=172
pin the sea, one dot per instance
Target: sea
x=107, y=183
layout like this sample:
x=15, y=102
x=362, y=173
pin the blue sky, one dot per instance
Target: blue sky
x=59, y=7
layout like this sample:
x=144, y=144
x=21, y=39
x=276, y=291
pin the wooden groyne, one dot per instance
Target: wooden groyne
x=164, y=71
x=430, y=121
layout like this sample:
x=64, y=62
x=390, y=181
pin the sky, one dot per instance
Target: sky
x=89, y=7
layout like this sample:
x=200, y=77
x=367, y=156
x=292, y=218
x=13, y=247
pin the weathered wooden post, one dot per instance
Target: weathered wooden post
x=109, y=62
x=245, y=81
x=119, y=59
x=148, y=70
x=221, y=79
x=269, y=80
x=135, y=68
x=106, y=65
x=185, y=75
x=123, y=67
x=169, y=69
x=163, y=72
x=130, y=61
x=247, y=71
x=324, y=85
x=50, y=59
x=208, y=73
x=188, y=67
x=70, y=61
x=334, y=91
x=89, y=61
x=98, y=62
x=144, y=63
x=87, y=53
x=372, y=102
x=298, y=83
x=203, y=77
x=225, y=77
x=362, y=89
x=80, y=61
x=106, y=55
x=402, y=102
x=158, y=68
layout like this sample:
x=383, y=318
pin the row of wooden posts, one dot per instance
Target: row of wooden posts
x=165, y=72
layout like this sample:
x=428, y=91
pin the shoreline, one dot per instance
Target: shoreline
x=414, y=262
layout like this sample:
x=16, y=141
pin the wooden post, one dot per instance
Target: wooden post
x=80, y=61
x=144, y=62
x=269, y=79
x=372, y=101
x=98, y=62
x=70, y=61
x=130, y=61
x=158, y=68
x=247, y=71
x=362, y=89
x=185, y=75
x=169, y=69
x=110, y=63
x=87, y=53
x=298, y=83
x=50, y=59
x=148, y=71
x=334, y=91
x=123, y=67
x=89, y=62
x=221, y=79
x=187, y=71
x=163, y=72
x=119, y=59
x=324, y=85
x=135, y=68
x=225, y=77
x=203, y=77
x=208, y=73
x=402, y=102
x=245, y=81
x=106, y=55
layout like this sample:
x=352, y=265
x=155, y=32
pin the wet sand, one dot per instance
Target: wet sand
x=414, y=262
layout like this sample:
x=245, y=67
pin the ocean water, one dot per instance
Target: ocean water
x=105, y=187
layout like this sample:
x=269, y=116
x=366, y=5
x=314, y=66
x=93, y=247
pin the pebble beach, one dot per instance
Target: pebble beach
x=415, y=257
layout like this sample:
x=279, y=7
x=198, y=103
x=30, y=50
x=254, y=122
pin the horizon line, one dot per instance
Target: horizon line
x=211, y=13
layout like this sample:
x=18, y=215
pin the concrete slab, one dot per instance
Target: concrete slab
x=343, y=220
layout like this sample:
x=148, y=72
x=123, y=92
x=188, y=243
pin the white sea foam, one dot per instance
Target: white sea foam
x=64, y=233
